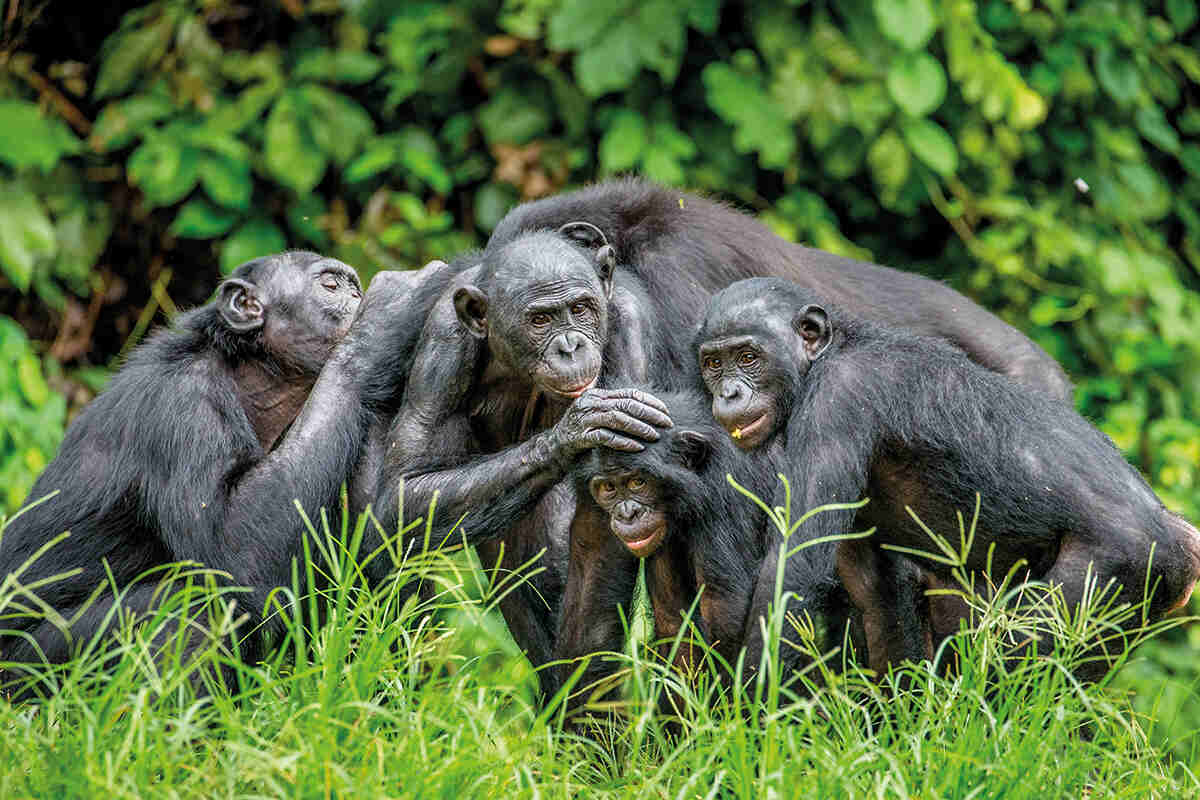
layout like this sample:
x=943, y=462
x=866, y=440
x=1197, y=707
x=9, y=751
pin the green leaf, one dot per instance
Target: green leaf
x=759, y=124
x=304, y=217
x=121, y=121
x=1118, y=75
x=1182, y=14
x=908, y=23
x=930, y=143
x=32, y=139
x=1028, y=109
x=1149, y=194
x=889, y=160
x=130, y=53
x=26, y=233
x=580, y=22
x=377, y=157
x=623, y=142
x=1118, y=275
x=226, y=180
x=199, y=219
x=511, y=118
x=32, y=382
x=337, y=66
x=1153, y=125
x=704, y=15
x=917, y=83
x=163, y=169
x=292, y=156
x=339, y=125
x=258, y=237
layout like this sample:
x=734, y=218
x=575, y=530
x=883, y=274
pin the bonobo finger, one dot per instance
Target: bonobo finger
x=638, y=395
x=643, y=411
x=621, y=423
x=603, y=437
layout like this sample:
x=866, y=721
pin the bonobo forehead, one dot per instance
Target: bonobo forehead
x=754, y=305
x=536, y=265
x=276, y=269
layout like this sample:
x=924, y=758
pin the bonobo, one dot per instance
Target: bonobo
x=864, y=410
x=671, y=504
x=198, y=449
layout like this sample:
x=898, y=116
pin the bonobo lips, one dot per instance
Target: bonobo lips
x=573, y=391
x=642, y=540
x=749, y=435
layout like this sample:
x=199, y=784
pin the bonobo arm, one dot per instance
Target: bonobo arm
x=828, y=462
x=240, y=517
x=431, y=446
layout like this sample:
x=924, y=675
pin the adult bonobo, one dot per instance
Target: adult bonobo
x=199, y=447
x=864, y=410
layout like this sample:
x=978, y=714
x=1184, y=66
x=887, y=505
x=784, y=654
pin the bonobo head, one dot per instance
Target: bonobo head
x=293, y=307
x=542, y=305
x=651, y=493
x=757, y=341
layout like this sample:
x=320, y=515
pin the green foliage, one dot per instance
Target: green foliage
x=32, y=416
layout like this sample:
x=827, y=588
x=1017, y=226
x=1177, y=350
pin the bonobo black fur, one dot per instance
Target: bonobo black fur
x=479, y=425
x=912, y=423
x=199, y=446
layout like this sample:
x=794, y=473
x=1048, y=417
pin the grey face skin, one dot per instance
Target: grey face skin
x=542, y=307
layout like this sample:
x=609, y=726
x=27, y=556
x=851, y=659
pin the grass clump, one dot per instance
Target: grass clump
x=383, y=692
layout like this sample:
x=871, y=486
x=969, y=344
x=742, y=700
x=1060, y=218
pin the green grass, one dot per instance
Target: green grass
x=368, y=697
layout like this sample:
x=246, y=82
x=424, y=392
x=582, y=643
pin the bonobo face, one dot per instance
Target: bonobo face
x=755, y=347
x=303, y=304
x=744, y=385
x=634, y=506
x=544, y=311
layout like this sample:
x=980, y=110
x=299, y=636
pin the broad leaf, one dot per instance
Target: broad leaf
x=623, y=142
x=32, y=139
x=199, y=219
x=292, y=155
x=917, y=83
x=930, y=143
x=908, y=23
x=258, y=237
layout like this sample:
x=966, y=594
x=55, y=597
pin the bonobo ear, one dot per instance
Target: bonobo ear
x=588, y=235
x=240, y=304
x=694, y=448
x=471, y=305
x=813, y=327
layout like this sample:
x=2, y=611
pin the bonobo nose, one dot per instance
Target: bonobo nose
x=567, y=344
x=628, y=511
x=731, y=390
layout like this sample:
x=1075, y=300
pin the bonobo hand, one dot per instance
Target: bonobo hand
x=614, y=418
x=387, y=302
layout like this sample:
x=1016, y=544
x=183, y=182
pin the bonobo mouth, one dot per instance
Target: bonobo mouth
x=749, y=435
x=642, y=540
x=570, y=391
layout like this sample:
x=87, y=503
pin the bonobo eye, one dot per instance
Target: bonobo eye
x=748, y=358
x=712, y=362
x=329, y=281
x=636, y=484
x=607, y=487
x=578, y=308
x=540, y=319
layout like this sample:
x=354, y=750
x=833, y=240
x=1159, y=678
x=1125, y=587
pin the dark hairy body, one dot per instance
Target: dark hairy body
x=481, y=425
x=863, y=410
x=198, y=448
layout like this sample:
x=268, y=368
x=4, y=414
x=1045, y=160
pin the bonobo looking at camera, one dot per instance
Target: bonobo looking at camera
x=198, y=450
x=672, y=505
x=861, y=410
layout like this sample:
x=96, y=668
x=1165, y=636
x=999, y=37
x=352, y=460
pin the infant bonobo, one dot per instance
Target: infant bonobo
x=672, y=505
x=861, y=410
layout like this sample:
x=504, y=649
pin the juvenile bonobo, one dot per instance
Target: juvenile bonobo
x=863, y=410
x=672, y=505
x=198, y=449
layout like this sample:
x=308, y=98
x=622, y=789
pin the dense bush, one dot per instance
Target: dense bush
x=1041, y=157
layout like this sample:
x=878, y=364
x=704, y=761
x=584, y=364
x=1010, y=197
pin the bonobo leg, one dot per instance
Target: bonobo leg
x=889, y=591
